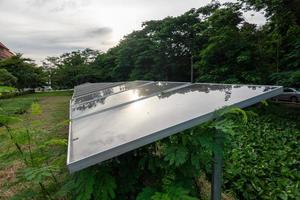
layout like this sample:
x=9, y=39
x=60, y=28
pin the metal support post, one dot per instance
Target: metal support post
x=216, y=190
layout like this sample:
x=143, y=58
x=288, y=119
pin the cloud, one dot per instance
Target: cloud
x=55, y=5
x=99, y=31
x=32, y=28
x=41, y=28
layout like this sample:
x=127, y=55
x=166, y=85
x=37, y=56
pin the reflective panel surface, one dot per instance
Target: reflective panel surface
x=91, y=87
x=120, y=98
x=108, y=91
x=103, y=135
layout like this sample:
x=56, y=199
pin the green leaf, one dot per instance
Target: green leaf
x=66, y=189
x=195, y=160
x=84, y=184
x=176, y=155
x=105, y=186
x=173, y=193
x=146, y=193
x=37, y=174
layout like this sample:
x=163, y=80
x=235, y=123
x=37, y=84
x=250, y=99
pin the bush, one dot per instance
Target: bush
x=7, y=95
x=264, y=157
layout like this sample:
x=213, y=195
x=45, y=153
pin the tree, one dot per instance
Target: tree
x=230, y=47
x=222, y=45
x=160, y=51
x=282, y=35
x=287, y=11
x=71, y=69
x=7, y=78
x=27, y=73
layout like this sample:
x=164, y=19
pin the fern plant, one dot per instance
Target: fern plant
x=34, y=153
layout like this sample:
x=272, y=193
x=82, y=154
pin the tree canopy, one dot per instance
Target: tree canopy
x=224, y=47
x=27, y=74
x=215, y=39
x=7, y=78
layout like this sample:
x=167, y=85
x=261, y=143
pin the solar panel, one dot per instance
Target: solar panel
x=108, y=91
x=128, y=120
x=92, y=87
x=134, y=94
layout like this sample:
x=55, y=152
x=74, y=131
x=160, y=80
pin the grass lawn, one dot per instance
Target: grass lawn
x=51, y=123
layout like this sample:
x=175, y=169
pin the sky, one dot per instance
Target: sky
x=41, y=28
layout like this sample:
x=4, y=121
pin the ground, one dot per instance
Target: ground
x=54, y=108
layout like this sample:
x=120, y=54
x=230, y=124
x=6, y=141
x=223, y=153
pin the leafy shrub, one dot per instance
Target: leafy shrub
x=40, y=157
x=7, y=95
x=167, y=169
x=264, y=156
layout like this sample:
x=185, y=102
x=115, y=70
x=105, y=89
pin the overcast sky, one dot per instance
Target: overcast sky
x=41, y=28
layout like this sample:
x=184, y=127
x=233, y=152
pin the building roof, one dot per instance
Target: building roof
x=5, y=52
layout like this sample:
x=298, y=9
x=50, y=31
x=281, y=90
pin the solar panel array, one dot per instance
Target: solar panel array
x=90, y=87
x=108, y=119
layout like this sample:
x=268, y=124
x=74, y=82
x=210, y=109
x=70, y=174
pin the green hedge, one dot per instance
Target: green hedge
x=15, y=94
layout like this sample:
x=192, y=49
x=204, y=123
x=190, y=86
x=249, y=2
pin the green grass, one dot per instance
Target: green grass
x=49, y=127
x=19, y=105
x=54, y=93
x=16, y=106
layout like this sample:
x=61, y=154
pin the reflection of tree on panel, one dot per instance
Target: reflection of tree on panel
x=109, y=91
x=201, y=88
x=139, y=92
x=266, y=88
x=150, y=89
x=157, y=87
x=94, y=95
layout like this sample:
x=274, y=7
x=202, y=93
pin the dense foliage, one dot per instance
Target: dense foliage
x=262, y=160
x=23, y=73
x=7, y=78
x=216, y=39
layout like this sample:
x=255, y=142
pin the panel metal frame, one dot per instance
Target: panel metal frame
x=116, y=151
